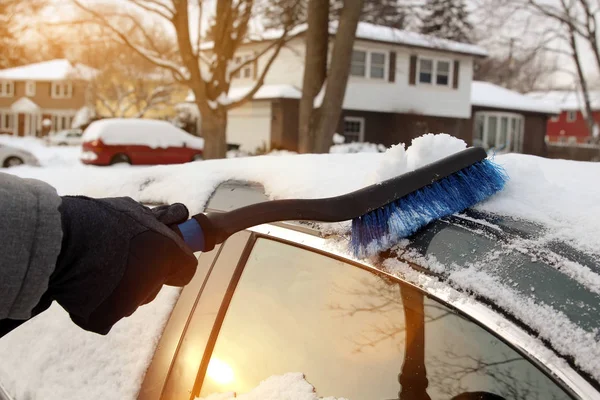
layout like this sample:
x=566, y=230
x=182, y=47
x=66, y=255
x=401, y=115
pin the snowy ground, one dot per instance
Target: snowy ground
x=560, y=195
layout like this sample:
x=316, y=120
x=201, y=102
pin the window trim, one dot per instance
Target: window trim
x=368, y=56
x=30, y=88
x=519, y=137
x=434, y=72
x=56, y=93
x=571, y=116
x=9, y=86
x=361, y=120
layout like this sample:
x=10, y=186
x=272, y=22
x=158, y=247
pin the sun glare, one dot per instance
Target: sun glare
x=219, y=371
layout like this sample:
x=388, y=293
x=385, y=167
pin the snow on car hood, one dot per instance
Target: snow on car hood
x=560, y=195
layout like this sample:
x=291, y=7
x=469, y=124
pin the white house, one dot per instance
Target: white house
x=402, y=84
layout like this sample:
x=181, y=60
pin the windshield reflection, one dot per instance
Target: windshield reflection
x=358, y=335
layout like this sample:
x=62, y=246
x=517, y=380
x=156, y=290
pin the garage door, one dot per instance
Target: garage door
x=250, y=125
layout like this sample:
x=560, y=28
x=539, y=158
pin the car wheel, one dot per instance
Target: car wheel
x=197, y=157
x=13, y=161
x=120, y=159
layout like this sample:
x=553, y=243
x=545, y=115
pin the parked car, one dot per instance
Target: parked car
x=138, y=142
x=277, y=298
x=68, y=137
x=12, y=156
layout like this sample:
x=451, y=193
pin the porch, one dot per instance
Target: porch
x=26, y=118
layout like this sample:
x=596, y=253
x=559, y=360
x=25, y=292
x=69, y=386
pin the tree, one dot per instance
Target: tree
x=447, y=19
x=12, y=52
x=316, y=127
x=205, y=68
x=392, y=13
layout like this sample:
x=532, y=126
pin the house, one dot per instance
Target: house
x=37, y=98
x=508, y=121
x=570, y=125
x=402, y=84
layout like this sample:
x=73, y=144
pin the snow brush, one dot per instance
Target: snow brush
x=381, y=214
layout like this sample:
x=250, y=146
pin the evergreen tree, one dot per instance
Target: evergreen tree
x=391, y=13
x=447, y=19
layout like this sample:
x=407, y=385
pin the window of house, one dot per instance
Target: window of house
x=425, y=70
x=247, y=70
x=354, y=129
x=379, y=332
x=61, y=122
x=499, y=132
x=571, y=116
x=442, y=74
x=61, y=90
x=6, y=121
x=7, y=89
x=368, y=64
x=377, y=65
x=435, y=72
x=30, y=88
x=554, y=118
x=359, y=63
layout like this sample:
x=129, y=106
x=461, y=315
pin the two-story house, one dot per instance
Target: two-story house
x=402, y=84
x=38, y=98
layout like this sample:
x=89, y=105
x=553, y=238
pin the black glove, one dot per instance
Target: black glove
x=116, y=255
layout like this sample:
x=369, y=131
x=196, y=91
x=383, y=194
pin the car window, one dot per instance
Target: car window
x=357, y=335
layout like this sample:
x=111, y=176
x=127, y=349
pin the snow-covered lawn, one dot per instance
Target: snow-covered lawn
x=51, y=358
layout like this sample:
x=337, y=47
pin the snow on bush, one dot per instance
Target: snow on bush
x=338, y=139
x=291, y=386
x=357, y=147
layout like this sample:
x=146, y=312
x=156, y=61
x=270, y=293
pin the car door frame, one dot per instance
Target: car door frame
x=184, y=350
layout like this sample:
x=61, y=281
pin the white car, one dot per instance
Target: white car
x=68, y=137
x=11, y=157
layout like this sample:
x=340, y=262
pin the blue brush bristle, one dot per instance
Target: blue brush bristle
x=382, y=228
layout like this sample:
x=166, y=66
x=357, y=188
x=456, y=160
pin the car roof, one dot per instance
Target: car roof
x=534, y=270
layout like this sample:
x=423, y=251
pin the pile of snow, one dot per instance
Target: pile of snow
x=338, y=139
x=145, y=132
x=291, y=386
x=486, y=94
x=357, y=147
x=83, y=116
x=46, y=155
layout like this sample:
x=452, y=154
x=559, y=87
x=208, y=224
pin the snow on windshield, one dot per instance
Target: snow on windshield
x=291, y=386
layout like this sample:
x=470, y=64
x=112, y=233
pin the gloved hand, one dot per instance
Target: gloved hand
x=116, y=255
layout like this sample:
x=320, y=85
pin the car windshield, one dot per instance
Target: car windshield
x=357, y=334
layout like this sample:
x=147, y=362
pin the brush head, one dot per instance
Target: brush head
x=382, y=228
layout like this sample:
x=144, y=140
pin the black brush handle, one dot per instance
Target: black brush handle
x=217, y=227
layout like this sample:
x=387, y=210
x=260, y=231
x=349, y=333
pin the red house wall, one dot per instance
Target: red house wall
x=576, y=129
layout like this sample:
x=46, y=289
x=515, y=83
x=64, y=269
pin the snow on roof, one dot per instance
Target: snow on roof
x=24, y=105
x=368, y=31
x=486, y=94
x=54, y=70
x=554, y=193
x=567, y=100
x=265, y=92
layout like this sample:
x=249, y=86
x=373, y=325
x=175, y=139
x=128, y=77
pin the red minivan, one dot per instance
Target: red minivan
x=139, y=142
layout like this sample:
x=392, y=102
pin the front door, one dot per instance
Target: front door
x=21, y=125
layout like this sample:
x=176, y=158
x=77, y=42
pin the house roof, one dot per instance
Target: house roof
x=54, y=70
x=567, y=99
x=24, y=105
x=486, y=94
x=379, y=33
x=265, y=92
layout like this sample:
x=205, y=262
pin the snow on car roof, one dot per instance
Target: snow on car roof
x=53, y=70
x=486, y=94
x=556, y=194
x=132, y=131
